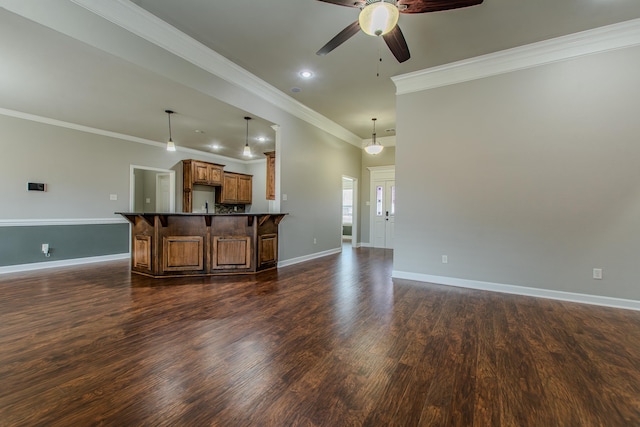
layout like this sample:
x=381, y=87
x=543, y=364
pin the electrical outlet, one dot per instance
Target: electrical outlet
x=445, y=259
x=597, y=273
x=45, y=248
x=113, y=197
x=315, y=241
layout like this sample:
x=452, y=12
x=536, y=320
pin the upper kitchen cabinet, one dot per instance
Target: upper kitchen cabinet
x=196, y=172
x=236, y=188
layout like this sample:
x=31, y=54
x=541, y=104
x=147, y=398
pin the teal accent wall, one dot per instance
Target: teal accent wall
x=23, y=244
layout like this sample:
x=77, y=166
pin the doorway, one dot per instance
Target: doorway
x=152, y=189
x=349, y=223
x=383, y=209
x=163, y=192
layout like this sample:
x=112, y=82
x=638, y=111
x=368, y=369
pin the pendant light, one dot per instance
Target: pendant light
x=247, y=150
x=170, y=145
x=374, y=148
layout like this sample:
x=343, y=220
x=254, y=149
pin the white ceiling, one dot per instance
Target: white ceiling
x=46, y=73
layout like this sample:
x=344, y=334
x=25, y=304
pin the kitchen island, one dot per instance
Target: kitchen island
x=197, y=244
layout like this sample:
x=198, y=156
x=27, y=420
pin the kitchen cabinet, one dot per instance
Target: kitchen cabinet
x=236, y=188
x=271, y=175
x=207, y=173
x=196, y=172
x=202, y=244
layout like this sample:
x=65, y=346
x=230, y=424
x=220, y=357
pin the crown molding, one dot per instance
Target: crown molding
x=121, y=136
x=138, y=21
x=603, y=39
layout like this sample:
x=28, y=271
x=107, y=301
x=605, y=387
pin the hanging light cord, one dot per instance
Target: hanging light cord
x=169, y=113
x=374, y=131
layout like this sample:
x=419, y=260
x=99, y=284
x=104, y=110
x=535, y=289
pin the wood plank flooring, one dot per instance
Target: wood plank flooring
x=330, y=342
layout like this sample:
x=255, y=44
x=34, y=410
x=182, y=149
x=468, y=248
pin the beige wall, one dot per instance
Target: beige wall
x=529, y=178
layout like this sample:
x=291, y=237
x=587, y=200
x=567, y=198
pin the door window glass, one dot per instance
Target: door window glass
x=393, y=200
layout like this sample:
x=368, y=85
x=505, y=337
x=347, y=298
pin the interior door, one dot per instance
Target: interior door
x=163, y=192
x=384, y=215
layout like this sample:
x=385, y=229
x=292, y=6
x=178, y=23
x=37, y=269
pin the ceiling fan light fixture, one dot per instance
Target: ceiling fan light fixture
x=374, y=147
x=377, y=19
x=171, y=146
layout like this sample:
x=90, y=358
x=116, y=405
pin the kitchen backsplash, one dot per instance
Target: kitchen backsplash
x=225, y=209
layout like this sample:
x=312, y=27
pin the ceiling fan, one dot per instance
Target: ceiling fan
x=380, y=18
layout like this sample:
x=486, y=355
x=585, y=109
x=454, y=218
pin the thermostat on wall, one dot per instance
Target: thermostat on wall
x=36, y=186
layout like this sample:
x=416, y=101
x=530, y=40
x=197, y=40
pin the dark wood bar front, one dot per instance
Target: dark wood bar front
x=187, y=244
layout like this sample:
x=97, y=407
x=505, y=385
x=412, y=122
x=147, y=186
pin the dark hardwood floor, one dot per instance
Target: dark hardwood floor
x=330, y=342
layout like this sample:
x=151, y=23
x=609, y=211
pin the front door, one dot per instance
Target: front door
x=383, y=209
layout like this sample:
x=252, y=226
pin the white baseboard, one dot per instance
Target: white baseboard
x=520, y=290
x=309, y=257
x=364, y=245
x=62, y=263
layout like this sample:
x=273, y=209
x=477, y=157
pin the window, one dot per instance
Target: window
x=393, y=200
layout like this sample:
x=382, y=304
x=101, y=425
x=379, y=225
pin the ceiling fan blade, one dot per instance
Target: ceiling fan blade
x=423, y=6
x=397, y=44
x=342, y=37
x=348, y=3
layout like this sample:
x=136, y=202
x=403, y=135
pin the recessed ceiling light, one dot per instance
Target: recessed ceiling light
x=296, y=89
x=305, y=74
x=215, y=146
x=198, y=131
x=390, y=130
x=262, y=139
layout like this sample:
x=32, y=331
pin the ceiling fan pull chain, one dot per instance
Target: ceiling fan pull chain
x=380, y=59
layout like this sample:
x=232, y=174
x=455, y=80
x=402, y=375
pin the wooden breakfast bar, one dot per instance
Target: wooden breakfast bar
x=194, y=244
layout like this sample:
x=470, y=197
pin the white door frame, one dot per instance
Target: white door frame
x=377, y=173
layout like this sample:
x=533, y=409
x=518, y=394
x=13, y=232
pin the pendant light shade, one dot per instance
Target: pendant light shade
x=374, y=147
x=377, y=19
x=247, y=150
x=170, y=145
